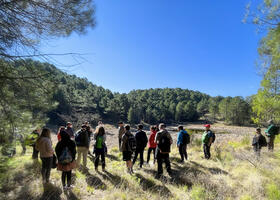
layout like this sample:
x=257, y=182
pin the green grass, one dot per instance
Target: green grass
x=228, y=175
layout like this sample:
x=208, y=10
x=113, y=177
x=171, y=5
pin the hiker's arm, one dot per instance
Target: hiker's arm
x=210, y=141
x=169, y=136
x=178, y=139
x=156, y=139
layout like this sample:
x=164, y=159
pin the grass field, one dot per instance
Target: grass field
x=232, y=173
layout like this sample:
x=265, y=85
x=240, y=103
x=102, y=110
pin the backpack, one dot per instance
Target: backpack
x=272, y=130
x=131, y=143
x=214, y=137
x=65, y=157
x=78, y=137
x=164, y=144
x=186, y=138
x=262, y=141
x=276, y=130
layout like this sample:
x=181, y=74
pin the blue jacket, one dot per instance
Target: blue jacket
x=180, y=137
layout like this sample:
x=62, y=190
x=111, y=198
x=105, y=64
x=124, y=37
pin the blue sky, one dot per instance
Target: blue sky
x=197, y=45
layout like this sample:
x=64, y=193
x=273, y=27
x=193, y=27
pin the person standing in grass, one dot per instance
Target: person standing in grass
x=141, y=143
x=163, y=141
x=66, y=152
x=208, y=137
x=82, y=142
x=182, y=140
x=128, y=146
x=271, y=132
x=259, y=141
x=121, y=132
x=44, y=146
x=152, y=144
x=31, y=141
x=99, y=147
x=69, y=130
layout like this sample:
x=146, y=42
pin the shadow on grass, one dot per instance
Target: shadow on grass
x=12, y=177
x=70, y=195
x=212, y=170
x=93, y=181
x=116, y=180
x=149, y=185
x=175, y=159
x=51, y=192
x=113, y=157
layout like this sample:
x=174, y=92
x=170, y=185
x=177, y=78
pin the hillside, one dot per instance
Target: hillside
x=232, y=173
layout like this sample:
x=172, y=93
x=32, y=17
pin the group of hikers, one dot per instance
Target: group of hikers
x=63, y=157
x=259, y=140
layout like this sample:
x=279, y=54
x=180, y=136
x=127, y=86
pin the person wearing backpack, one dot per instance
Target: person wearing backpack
x=69, y=130
x=258, y=142
x=183, y=139
x=152, y=144
x=61, y=128
x=271, y=132
x=141, y=143
x=44, y=146
x=163, y=140
x=121, y=132
x=99, y=147
x=208, y=137
x=66, y=152
x=82, y=142
x=128, y=146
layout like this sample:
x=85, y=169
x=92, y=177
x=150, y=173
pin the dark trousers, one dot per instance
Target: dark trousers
x=141, y=152
x=183, y=151
x=163, y=158
x=206, y=150
x=270, y=142
x=257, y=151
x=66, y=175
x=35, y=153
x=97, y=155
x=120, y=143
x=149, y=153
x=46, y=168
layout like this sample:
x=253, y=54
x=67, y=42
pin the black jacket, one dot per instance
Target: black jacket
x=84, y=139
x=141, y=140
x=65, y=142
x=259, y=141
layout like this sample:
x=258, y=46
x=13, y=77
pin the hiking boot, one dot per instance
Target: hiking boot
x=69, y=187
x=103, y=169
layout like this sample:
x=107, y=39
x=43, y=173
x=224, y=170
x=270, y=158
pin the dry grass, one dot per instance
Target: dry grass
x=232, y=173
